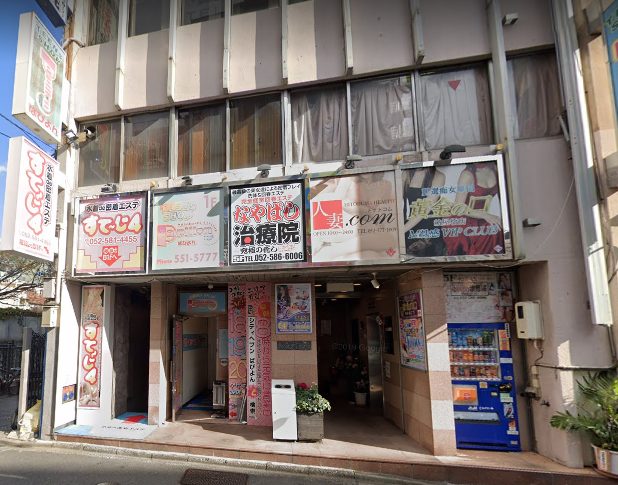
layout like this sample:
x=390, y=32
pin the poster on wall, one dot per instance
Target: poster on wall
x=354, y=218
x=111, y=234
x=237, y=357
x=412, y=331
x=294, y=313
x=30, y=201
x=456, y=211
x=479, y=297
x=204, y=303
x=267, y=223
x=90, y=347
x=187, y=230
x=259, y=401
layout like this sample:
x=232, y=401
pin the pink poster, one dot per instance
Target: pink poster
x=91, y=335
x=237, y=339
x=259, y=409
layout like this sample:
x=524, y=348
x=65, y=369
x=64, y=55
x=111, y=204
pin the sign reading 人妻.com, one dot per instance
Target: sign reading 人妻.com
x=39, y=72
x=29, y=226
x=111, y=234
x=267, y=223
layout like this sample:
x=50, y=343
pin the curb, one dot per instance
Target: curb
x=311, y=470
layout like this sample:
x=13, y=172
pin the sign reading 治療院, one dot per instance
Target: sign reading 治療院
x=39, y=73
x=31, y=197
x=354, y=218
x=186, y=228
x=267, y=223
x=111, y=234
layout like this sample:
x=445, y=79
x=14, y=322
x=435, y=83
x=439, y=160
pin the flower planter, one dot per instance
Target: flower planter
x=606, y=461
x=360, y=398
x=310, y=426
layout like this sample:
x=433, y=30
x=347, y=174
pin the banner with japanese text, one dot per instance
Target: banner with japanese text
x=456, y=210
x=90, y=351
x=354, y=218
x=203, y=303
x=30, y=201
x=187, y=230
x=237, y=343
x=267, y=223
x=412, y=331
x=293, y=308
x=259, y=400
x=111, y=234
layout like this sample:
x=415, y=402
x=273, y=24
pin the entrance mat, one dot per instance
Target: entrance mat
x=195, y=476
x=201, y=402
x=141, y=418
x=116, y=428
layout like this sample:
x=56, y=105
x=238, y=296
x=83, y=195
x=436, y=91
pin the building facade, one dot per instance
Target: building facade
x=260, y=190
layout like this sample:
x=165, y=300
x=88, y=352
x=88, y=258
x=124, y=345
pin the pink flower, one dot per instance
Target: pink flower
x=303, y=386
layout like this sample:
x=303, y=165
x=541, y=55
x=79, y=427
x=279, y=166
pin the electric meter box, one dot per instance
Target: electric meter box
x=529, y=320
x=49, y=319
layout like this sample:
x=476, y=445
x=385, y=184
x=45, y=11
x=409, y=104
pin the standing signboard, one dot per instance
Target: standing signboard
x=267, y=223
x=456, y=211
x=412, y=331
x=187, y=230
x=293, y=308
x=39, y=73
x=30, y=201
x=354, y=218
x=237, y=356
x=111, y=234
x=259, y=399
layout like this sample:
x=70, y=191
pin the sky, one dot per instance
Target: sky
x=9, y=23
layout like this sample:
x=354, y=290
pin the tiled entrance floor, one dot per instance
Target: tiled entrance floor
x=358, y=440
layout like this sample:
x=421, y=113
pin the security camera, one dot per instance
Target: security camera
x=91, y=132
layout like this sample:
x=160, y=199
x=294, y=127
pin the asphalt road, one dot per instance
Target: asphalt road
x=28, y=464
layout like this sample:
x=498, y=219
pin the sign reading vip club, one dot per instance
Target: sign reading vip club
x=112, y=234
x=30, y=201
x=267, y=223
x=39, y=71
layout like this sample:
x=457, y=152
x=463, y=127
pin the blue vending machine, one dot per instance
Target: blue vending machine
x=484, y=395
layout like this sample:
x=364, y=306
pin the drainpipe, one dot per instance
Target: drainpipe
x=583, y=163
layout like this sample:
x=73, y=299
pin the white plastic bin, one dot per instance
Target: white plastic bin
x=284, y=409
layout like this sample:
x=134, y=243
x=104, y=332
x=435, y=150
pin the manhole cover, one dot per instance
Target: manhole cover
x=195, y=476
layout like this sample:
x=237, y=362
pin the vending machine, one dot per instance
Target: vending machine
x=484, y=395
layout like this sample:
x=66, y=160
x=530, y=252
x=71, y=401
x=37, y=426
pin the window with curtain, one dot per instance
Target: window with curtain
x=99, y=157
x=103, y=23
x=382, y=119
x=146, y=146
x=456, y=108
x=246, y=6
x=535, y=95
x=319, y=124
x=148, y=16
x=201, y=140
x=255, y=131
x=194, y=11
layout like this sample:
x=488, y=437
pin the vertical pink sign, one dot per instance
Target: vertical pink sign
x=259, y=401
x=237, y=338
x=91, y=336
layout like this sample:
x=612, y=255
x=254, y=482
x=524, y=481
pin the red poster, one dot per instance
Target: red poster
x=237, y=338
x=259, y=404
x=91, y=336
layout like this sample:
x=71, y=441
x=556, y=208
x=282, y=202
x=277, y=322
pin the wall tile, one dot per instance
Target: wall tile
x=438, y=357
x=442, y=414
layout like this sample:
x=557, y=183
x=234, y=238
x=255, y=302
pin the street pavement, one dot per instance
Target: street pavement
x=42, y=464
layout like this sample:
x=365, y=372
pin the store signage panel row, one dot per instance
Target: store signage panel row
x=420, y=213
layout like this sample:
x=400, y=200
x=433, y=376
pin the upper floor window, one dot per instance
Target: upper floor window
x=99, y=157
x=456, y=108
x=194, y=11
x=148, y=16
x=146, y=146
x=103, y=23
x=246, y=6
x=535, y=95
x=382, y=120
x=201, y=140
x=319, y=124
x=255, y=131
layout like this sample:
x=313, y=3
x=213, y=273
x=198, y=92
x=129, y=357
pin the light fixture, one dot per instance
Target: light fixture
x=318, y=285
x=510, y=19
x=70, y=136
x=448, y=151
x=374, y=282
x=187, y=180
x=358, y=284
x=210, y=286
x=109, y=188
x=264, y=170
x=350, y=161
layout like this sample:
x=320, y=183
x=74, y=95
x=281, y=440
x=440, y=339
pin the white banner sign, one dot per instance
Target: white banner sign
x=30, y=201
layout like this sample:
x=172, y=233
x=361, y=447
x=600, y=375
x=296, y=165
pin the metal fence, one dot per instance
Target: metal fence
x=10, y=363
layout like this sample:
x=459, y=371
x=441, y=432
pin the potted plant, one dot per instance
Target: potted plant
x=310, y=407
x=361, y=388
x=598, y=417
